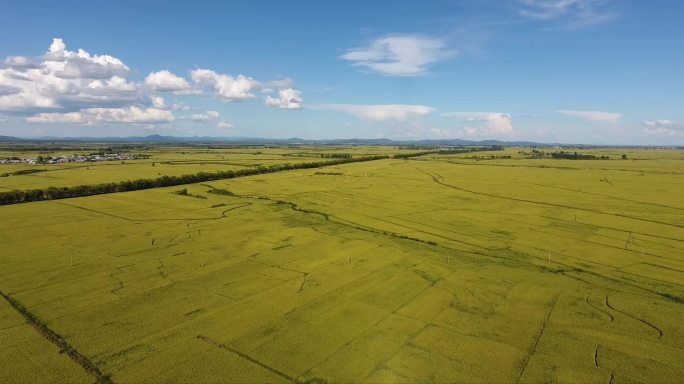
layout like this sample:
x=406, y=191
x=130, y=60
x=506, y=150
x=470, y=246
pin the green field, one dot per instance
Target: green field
x=436, y=269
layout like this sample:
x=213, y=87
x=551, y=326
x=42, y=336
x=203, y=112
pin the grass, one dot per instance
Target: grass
x=434, y=269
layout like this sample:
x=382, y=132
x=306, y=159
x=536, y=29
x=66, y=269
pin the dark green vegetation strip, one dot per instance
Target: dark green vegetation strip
x=52, y=193
x=453, y=151
x=22, y=172
x=58, y=340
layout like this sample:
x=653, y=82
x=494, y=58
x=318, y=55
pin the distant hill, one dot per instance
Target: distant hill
x=160, y=139
x=260, y=141
x=11, y=139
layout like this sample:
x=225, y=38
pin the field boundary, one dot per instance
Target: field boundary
x=248, y=358
x=536, y=341
x=58, y=340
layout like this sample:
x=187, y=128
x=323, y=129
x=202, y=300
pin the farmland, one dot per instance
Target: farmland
x=487, y=267
x=160, y=161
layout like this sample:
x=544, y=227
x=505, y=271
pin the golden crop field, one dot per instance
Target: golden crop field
x=436, y=269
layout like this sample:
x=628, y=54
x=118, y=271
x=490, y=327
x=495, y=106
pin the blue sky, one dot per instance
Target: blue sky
x=571, y=71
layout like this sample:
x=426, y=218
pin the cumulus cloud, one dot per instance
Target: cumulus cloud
x=165, y=81
x=378, y=112
x=65, y=79
x=158, y=102
x=133, y=114
x=204, y=117
x=399, y=55
x=81, y=64
x=64, y=86
x=579, y=12
x=594, y=116
x=484, y=122
x=19, y=62
x=224, y=125
x=226, y=88
x=288, y=98
x=8, y=90
x=663, y=128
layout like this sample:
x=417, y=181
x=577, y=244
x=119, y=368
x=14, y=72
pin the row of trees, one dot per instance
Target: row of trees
x=490, y=157
x=538, y=154
x=577, y=156
x=450, y=151
x=53, y=193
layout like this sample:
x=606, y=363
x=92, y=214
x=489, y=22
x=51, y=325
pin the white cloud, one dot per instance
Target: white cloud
x=224, y=125
x=378, y=112
x=288, y=98
x=205, y=117
x=165, y=81
x=579, y=12
x=484, y=122
x=19, y=62
x=74, y=65
x=158, y=102
x=663, y=128
x=66, y=80
x=70, y=117
x=135, y=115
x=399, y=55
x=226, y=88
x=595, y=116
x=78, y=87
x=8, y=90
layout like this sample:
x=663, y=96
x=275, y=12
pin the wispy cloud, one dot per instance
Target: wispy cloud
x=224, y=125
x=204, y=117
x=577, y=13
x=484, y=122
x=399, y=55
x=90, y=116
x=663, y=128
x=595, y=116
x=378, y=112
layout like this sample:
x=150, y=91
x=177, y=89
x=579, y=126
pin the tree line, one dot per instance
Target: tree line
x=451, y=151
x=54, y=193
x=577, y=156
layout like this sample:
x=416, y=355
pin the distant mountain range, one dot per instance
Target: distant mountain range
x=259, y=141
x=159, y=139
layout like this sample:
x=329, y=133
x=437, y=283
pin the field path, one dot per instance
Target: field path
x=536, y=341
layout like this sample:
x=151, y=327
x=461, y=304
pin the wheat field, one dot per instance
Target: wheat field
x=439, y=268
